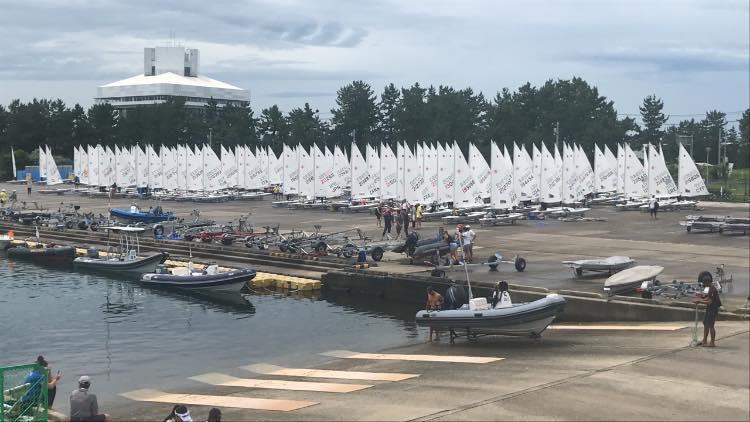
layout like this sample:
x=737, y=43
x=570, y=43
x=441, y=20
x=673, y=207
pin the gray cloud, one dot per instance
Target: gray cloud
x=671, y=60
x=300, y=94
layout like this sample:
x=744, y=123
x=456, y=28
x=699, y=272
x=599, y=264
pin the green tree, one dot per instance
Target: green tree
x=305, y=127
x=274, y=130
x=653, y=120
x=356, y=112
x=412, y=116
x=388, y=107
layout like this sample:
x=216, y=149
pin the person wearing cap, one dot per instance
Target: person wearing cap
x=83, y=405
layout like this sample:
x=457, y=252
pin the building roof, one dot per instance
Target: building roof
x=172, y=78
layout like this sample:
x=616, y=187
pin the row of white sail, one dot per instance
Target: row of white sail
x=428, y=173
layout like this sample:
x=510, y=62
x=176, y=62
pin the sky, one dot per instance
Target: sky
x=694, y=54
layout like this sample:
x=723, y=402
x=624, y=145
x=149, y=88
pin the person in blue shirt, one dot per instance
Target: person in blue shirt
x=35, y=377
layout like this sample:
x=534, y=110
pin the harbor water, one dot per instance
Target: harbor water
x=127, y=337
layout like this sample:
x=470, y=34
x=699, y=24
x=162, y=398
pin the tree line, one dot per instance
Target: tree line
x=564, y=110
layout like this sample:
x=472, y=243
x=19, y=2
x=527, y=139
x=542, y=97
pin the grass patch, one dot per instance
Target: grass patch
x=736, y=187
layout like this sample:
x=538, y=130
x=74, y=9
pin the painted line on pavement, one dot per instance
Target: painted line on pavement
x=327, y=373
x=326, y=387
x=157, y=396
x=345, y=354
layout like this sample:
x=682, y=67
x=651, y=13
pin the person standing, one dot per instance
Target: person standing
x=468, y=240
x=713, y=303
x=653, y=207
x=387, y=221
x=28, y=186
x=378, y=215
x=434, y=303
x=399, y=223
x=405, y=220
x=83, y=405
x=418, y=215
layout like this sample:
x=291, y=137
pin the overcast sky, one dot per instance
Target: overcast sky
x=694, y=54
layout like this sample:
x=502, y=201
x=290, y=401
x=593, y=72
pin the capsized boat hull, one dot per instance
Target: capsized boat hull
x=525, y=319
x=230, y=281
x=139, y=265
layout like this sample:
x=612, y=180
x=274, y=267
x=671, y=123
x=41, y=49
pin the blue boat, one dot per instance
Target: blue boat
x=154, y=216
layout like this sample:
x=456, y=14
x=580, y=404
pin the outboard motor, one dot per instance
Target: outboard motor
x=92, y=253
x=455, y=297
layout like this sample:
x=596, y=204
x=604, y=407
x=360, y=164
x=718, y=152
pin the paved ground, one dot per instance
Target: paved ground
x=570, y=374
x=542, y=243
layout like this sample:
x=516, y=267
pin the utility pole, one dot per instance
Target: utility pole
x=210, y=133
x=708, y=151
x=718, y=155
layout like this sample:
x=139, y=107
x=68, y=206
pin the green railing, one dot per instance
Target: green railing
x=24, y=397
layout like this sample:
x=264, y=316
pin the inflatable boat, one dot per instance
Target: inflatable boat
x=210, y=279
x=522, y=319
x=142, y=217
x=129, y=263
x=44, y=255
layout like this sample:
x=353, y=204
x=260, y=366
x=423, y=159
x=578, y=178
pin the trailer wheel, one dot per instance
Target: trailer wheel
x=520, y=264
x=348, y=253
x=493, y=263
x=377, y=254
x=705, y=277
x=69, y=225
x=158, y=230
x=94, y=227
x=282, y=247
x=227, y=240
x=688, y=228
x=82, y=225
x=321, y=247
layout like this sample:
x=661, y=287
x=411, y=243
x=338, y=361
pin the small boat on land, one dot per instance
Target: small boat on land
x=609, y=265
x=125, y=260
x=518, y=319
x=209, y=279
x=627, y=280
x=152, y=216
x=41, y=254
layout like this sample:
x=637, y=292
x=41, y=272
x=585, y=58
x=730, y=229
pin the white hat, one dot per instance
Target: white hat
x=84, y=378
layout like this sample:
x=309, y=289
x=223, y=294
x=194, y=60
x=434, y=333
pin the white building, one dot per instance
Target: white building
x=170, y=72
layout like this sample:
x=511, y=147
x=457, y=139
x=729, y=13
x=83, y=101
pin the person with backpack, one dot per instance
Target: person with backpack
x=713, y=303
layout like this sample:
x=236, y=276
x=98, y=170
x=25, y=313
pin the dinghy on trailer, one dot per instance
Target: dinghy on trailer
x=609, y=265
x=628, y=279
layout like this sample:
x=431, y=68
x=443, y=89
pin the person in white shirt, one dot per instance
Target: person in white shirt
x=653, y=206
x=468, y=237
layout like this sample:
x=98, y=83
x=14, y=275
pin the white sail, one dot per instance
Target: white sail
x=140, y=160
x=53, y=174
x=605, y=170
x=501, y=196
x=93, y=157
x=252, y=172
x=261, y=155
x=388, y=173
x=84, y=159
x=154, y=168
x=42, y=162
x=481, y=170
x=689, y=178
x=181, y=167
x=430, y=175
x=239, y=156
x=446, y=174
x=110, y=167
x=194, y=175
x=400, y=160
x=229, y=167
x=169, y=172
x=275, y=166
x=525, y=184
x=636, y=180
x=569, y=175
x=466, y=190
x=660, y=182
x=560, y=169
x=585, y=182
x=373, y=167
x=514, y=199
x=551, y=186
x=306, y=173
x=342, y=170
x=536, y=165
x=360, y=174
x=323, y=175
x=290, y=159
x=620, y=169
x=611, y=182
x=125, y=170
x=419, y=156
x=213, y=174
x=413, y=179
